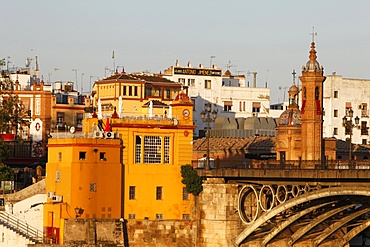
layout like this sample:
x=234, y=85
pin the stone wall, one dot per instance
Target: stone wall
x=133, y=233
x=220, y=222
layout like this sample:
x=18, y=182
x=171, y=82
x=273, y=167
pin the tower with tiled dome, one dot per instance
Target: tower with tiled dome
x=299, y=130
x=288, y=145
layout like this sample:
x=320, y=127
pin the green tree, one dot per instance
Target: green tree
x=191, y=179
x=4, y=150
x=6, y=173
x=12, y=110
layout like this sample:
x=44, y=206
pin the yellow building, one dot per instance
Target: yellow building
x=129, y=93
x=83, y=180
x=142, y=176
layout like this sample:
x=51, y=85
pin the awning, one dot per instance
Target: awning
x=256, y=105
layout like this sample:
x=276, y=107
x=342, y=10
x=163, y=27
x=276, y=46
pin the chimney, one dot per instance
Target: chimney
x=189, y=64
x=201, y=66
x=177, y=63
x=254, y=79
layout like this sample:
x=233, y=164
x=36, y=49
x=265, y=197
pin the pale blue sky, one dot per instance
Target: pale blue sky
x=270, y=37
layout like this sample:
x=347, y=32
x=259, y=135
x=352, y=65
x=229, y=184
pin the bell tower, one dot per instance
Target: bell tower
x=312, y=99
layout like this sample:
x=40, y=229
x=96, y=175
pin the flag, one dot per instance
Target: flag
x=113, y=55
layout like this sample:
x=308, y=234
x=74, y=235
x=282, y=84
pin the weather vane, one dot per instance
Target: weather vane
x=313, y=34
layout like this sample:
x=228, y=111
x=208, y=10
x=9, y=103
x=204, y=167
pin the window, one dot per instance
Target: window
x=364, y=110
x=207, y=84
x=135, y=91
x=129, y=90
x=336, y=94
x=159, y=216
x=79, y=118
x=240, y=106
x=227, y=108
x=92, y=187
x=131, y=193
x=167, y=93
x=244, y=106
x=191, y=82
x=138, y=150
x=228, y=105
x=348, y=107
x=186, y=216
x=364, y=142
x=166, y=150
x=159, y=195
x=152, y=149
x=60, y=156
x=102, y=156
x=256, y=106
x=335, y=131
x=185, y=194
x=124, y=90
x=82, y=155
x=181, y=80
x=335, y=113
x=364, y=128
x=132, y=216
x=60, y=120
x=57, y=176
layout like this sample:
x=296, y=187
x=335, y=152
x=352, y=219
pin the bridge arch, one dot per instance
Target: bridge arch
x=310, y=196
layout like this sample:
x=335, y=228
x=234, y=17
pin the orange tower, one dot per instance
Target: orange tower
x=312, y=99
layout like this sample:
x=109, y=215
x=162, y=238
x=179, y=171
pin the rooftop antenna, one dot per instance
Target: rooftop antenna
x=114, y=61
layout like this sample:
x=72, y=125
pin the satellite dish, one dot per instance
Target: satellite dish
x=72, y=130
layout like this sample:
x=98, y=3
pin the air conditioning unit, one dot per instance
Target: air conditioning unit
x=50, y=194
x=109, y=135
x=98, y=134
x=57, y=198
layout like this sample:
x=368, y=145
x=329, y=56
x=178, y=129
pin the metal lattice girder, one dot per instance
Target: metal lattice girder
x=302, y=231
x=353, y=233
x=329, y=192
x=285, y=223
x=333, y=227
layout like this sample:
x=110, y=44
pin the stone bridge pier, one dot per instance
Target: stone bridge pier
x=282, y=213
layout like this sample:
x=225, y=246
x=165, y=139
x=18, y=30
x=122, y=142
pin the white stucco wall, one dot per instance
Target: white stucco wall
x=29, y=211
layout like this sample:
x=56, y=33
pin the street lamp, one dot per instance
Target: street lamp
x=348, y=125
x=79, y=211
x=208, y=119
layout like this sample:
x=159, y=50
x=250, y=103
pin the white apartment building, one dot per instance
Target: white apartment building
x=341, y=95
x=228, y=94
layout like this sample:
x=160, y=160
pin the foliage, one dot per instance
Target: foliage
x=6, y=173
x=191, y=179
x=4, y=150
x=12, y=111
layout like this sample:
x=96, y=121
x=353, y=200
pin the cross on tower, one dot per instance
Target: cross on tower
x=313, y=34
x=294, y=73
